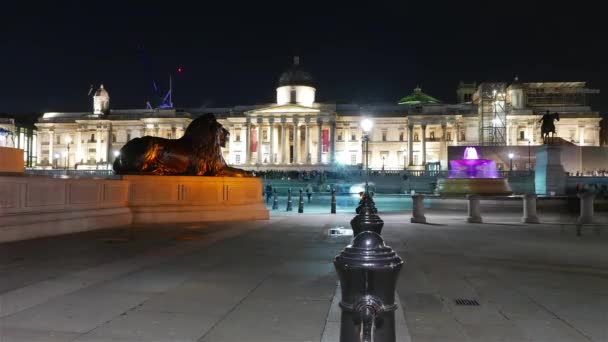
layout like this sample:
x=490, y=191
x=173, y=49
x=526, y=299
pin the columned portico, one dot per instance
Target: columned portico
x=271, y=159
x=410, y=143
x=259, y=141
x=320, y=142
x=423, y=137
x=248, y=142
x=296, y=139
x=307, y=141
x=284, y=142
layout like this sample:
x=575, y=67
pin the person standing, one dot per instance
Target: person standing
x=308, y=192
x=268, y=191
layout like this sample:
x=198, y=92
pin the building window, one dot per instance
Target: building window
x=449, y=136
x=92, y=138
x=265, y=134
x=353, y=159
x=462, y=137
x=237, y=159
x=522, y=135
x=353, y=137
x=58, y=140
x=432, y=136
x=128, y=136
x=416, y=137
x=400, y=136
x=169, y=135
x=113, y=138
x=339, y=133
x=290, y=135
x=238, y=135
x=383, y=135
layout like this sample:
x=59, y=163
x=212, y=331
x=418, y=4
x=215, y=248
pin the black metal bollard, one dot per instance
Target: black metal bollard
x=333, y=201
x=368, y=272
x=366, y=218
x=301, y=203
x=275, y=201
x=289, y=208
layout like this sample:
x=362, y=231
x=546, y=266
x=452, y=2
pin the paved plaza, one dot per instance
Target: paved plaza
x=274, y=281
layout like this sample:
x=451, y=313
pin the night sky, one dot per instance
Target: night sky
x=233, y=54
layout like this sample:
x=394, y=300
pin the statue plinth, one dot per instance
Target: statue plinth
x=549, y=174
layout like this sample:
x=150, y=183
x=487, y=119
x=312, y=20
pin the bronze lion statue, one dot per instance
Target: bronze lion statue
x=197, y=153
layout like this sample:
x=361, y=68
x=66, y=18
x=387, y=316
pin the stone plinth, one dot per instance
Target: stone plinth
x=418, y=209
x=11, y=160
x=160, y=199
x=549, y=174
x=32, y=207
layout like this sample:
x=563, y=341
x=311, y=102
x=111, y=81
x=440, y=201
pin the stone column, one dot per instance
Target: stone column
x=529, y=209
x=284, y=142
x=320, y=142
x=259, y=142
x=581, y=135
x=474, y=209
x=418, y=209
x=423, y=134
x=332, y=142
x=455, y=136
x=78, y=146
x=410, y=145
x=586, y=205
x=307, y=142
x=443, y=147
x=248, y=142
x=51, y=142
x=98, y=154
x=109, y=152
x=39, y=148
x=296, y=140
x=271, y=149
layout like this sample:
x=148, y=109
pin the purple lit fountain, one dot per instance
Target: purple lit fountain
x=472, y=175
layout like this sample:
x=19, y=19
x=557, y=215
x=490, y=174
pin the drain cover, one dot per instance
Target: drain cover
x=464, y=301
x=340, y=231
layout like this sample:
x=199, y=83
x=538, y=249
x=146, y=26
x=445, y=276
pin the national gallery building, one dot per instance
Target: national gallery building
x=295, y=132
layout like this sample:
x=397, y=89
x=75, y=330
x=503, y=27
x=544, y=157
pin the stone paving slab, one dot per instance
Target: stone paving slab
x=274, y=281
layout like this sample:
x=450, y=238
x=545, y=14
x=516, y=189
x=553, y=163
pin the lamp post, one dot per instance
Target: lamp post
x=511, y=161
x=56, y=159
x=68, y=141
x=382, y=163
x=366, y=125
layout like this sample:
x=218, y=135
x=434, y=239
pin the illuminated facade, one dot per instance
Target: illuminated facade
x=298, y=133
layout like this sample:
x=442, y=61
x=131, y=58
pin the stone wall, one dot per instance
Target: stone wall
x=32, y=207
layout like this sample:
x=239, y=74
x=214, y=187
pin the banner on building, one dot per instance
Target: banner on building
x=253, y=145
x=325, y=140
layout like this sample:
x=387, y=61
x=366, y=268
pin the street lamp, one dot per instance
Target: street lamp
x=511, y=155
x=116, y=153
x=65, y=155
x=68, y=140
x=382, y=163
x=366, y=125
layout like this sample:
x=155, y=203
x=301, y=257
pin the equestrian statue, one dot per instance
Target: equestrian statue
x=548, y=126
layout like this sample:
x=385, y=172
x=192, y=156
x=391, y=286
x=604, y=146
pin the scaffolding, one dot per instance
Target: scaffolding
x=492, y=113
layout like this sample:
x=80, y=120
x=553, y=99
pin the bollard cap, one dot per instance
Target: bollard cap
x=368, y=250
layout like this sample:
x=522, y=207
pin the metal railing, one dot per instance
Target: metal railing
x=72, y=173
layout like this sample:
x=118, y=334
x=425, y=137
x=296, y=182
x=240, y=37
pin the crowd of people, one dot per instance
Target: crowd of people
x=591, y=173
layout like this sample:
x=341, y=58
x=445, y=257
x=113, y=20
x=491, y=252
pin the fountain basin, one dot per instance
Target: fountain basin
x=478, y=186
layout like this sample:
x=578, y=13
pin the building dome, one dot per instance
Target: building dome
x=296, y=76
x=516, y=84
x=102, y=92
x=418, y=97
